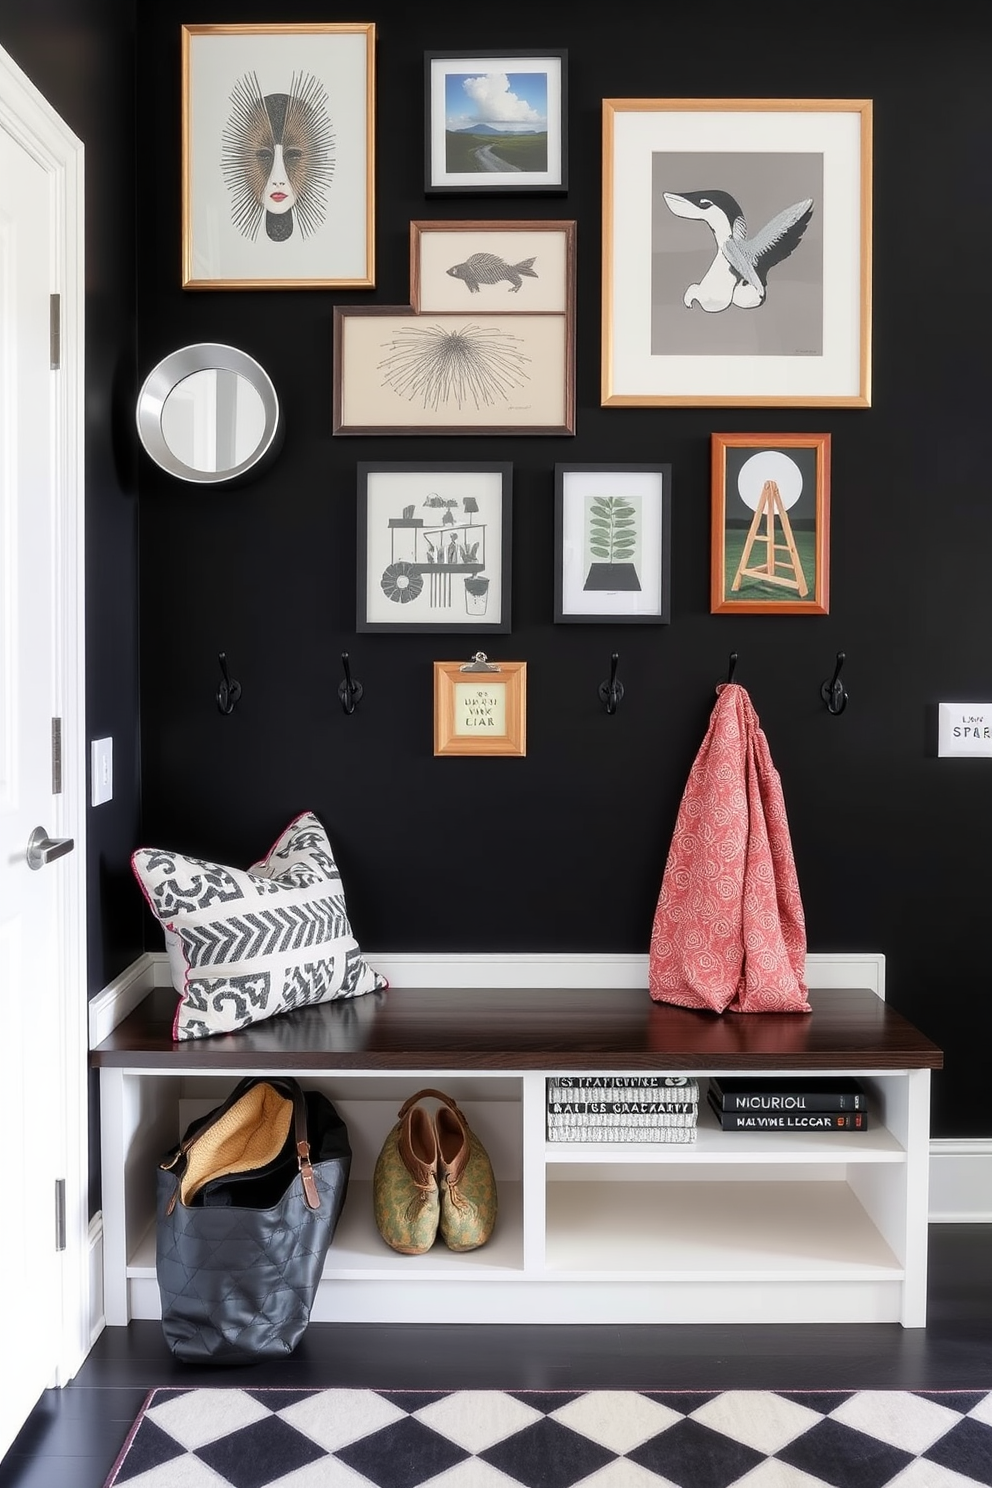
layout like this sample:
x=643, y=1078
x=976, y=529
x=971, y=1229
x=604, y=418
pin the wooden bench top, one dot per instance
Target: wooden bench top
x=522, y=1028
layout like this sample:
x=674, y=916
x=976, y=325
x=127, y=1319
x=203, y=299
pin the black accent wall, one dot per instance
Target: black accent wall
x=564, y=850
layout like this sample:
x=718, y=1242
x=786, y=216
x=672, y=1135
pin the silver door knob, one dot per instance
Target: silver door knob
x=43, y=849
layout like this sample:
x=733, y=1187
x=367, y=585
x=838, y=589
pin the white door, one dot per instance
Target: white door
x=42, y=973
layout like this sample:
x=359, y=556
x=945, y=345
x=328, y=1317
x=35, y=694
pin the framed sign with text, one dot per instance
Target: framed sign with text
x=480, y=707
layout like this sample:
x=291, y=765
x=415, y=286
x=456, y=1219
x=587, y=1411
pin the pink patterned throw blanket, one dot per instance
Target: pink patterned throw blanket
x=729, y=932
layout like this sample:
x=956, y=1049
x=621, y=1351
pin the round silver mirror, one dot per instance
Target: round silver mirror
x=209, y=413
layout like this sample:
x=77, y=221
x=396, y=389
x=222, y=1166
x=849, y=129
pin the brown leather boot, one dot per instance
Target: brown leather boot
x=468, y=1187
x=404, y=1184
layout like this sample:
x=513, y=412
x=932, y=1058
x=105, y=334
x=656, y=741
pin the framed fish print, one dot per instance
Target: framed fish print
x=770, y=524
x=736, y=252
x=506, y=267
x=496, y=123
x=613, y=544
x=278, y=156
x=434, y=546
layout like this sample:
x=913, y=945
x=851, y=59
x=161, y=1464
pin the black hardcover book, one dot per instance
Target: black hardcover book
x=792, y=1093
x=794, y=1121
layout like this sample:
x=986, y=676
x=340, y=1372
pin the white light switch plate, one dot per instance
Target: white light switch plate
x=101, y=771
x=964, y=728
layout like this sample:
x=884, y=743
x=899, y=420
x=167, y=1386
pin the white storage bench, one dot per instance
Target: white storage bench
x=733, y=1227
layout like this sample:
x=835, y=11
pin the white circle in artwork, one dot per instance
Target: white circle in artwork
x=770, y=465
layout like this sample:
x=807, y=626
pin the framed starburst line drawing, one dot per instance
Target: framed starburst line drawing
x=736, y=252
x=278, y=156
x=397, y=372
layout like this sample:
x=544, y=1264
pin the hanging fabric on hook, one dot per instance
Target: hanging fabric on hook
x=729, y=931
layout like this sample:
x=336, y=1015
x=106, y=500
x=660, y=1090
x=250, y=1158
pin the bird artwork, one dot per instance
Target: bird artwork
x=487, y=268
x=739, y=271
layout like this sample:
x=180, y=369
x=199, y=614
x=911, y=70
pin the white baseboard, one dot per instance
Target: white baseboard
x=121, y=996
x=961, y=1180
x=609, y=970
x=96, y=1321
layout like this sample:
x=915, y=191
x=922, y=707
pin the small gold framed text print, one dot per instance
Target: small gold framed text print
x=480, y=707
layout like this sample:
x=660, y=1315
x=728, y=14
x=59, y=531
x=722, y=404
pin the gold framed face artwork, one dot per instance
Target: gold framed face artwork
x=480, y=707
x=278, y=157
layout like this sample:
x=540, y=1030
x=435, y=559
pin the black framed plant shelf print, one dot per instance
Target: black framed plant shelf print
x=434, y=547
x=612, y=544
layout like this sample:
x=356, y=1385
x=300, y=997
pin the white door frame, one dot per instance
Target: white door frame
x=29, y=119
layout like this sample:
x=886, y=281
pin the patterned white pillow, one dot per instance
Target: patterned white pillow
x=246, y=944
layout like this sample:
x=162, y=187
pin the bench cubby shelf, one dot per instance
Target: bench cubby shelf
x=733, y=1227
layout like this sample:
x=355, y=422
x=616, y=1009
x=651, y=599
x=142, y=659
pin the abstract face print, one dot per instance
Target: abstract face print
x=278, y=157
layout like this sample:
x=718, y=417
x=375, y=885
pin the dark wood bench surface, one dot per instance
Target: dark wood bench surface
x=519, y=1028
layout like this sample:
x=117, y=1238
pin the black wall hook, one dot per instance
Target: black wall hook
x=349, y=692
x=833, y=692
x=731, y=666
x=612, y=691
x=228, y=691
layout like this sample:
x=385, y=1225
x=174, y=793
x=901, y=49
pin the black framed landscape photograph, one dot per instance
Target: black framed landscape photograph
x=496, y=122
x=434, y=550
x=770, y=524
x=612, y=544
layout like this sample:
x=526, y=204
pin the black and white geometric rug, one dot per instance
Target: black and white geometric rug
x=235, y=1438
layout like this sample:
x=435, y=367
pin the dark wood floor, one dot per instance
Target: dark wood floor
x=72, y=1438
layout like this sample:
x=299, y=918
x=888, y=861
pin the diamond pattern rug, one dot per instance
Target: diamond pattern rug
x=232, y=1438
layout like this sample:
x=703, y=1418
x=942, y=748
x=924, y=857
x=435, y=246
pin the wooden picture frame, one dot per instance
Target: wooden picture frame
x=496, y=123
x=434, y=546
x=514, y=267
x=278, y=156
x=770, y=548
x=397, y=372
x=480, y=707
x=736, y=252
x=613, y=544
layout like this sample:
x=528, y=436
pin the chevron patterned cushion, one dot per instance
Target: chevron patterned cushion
x=246, y=944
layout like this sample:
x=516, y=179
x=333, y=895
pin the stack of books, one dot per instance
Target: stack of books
x=792, y=1103
x=622, y=1108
